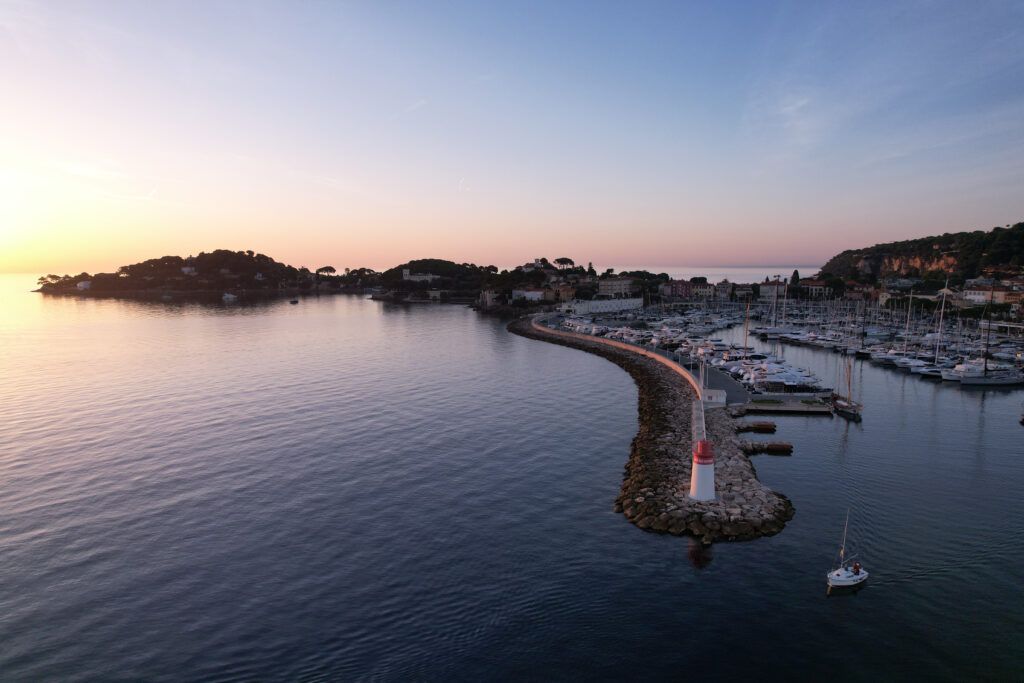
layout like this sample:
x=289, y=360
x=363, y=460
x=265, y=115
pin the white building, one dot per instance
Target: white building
x=602, y=305
x=418, y=277
x=979, y=294
x=528, y=293
x=772, y=291
x=703, y=290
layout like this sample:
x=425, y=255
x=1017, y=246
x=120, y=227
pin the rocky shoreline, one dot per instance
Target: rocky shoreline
x=656, y=480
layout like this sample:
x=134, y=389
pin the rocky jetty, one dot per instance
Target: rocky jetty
x=656, y=481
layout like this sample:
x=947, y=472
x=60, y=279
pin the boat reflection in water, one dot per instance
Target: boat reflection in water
x=853, y=589
x=700, y=554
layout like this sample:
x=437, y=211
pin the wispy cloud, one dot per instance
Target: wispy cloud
x=415, y=105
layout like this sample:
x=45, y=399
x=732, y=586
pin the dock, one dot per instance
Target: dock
x=763, y=427
x=788, y=407
x=769, y=447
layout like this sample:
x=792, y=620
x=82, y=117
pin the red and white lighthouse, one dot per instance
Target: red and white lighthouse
x=702, y=479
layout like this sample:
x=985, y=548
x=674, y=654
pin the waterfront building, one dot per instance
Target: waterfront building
x=616, y=287
x=983, y=294
x=703, y=290
x=682, y=289
x=857, y=291
x=815, y=289
x=723, y=290
x=489, y=298
x=564, y=292
x=530, y=293
x=772, y=291
x=602, y=306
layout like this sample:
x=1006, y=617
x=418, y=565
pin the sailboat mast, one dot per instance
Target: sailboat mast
x=849, y=378
x=938, y=340
x=842, y=550
x=746, y=324
x=988, y=328
x=906, y=332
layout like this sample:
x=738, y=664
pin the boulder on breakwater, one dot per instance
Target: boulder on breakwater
x=656, y=481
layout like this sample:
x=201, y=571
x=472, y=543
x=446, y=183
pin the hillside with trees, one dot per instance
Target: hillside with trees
x=215, y=272
x=962, y=254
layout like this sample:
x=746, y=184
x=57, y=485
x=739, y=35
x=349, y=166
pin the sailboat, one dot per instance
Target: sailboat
x=848, y=572
x=845, y=406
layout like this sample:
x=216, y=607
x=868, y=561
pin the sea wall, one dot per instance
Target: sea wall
x=656, y=480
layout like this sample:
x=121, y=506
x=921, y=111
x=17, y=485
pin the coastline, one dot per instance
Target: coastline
x=656, y=478
x=192, y=295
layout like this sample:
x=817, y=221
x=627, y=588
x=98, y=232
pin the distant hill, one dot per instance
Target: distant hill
x=966, y=254
x=218, y=271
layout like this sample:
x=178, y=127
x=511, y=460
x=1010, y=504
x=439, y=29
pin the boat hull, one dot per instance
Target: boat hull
x=1006, y=379
x=845, y=577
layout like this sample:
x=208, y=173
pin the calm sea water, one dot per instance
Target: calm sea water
x=347, y=490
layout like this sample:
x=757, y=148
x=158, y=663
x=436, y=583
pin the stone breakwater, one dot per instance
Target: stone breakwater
x=656, y=481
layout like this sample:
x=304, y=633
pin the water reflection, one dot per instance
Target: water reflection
x=837, y=591
x=700, y=555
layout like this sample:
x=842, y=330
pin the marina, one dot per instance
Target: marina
x=927, y=346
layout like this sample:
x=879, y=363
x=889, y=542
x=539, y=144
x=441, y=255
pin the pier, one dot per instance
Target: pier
x=784, y=407
x=655, y=491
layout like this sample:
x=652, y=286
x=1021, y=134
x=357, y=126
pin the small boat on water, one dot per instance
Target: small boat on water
x=845, y=406
x=848, y=571
x=294, y=301
x=229, y=298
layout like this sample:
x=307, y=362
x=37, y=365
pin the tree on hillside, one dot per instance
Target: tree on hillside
x=795, y=290
x=564, y=262
x=325, y=269
x=835, y=283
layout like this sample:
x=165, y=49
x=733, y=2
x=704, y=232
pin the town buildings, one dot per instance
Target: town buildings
x=616, y=287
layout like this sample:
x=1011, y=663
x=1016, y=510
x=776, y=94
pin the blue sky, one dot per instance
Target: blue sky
x=375, y=132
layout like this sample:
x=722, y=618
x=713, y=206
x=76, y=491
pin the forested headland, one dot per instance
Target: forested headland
x=961, y=255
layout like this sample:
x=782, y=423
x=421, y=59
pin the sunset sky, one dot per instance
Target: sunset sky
x=370, y=133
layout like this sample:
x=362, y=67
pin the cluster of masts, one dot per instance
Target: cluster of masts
x=684, y=337
x=928, y=346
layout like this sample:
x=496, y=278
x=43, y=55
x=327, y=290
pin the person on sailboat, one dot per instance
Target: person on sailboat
x=856, y=568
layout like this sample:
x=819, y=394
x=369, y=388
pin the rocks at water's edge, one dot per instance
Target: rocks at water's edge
x=656, y=480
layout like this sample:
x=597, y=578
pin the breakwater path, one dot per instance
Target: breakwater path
x=656, y=481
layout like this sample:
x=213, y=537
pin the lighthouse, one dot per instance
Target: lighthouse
x=702, y=480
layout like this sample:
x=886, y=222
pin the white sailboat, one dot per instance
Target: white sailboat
x=848, y=571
